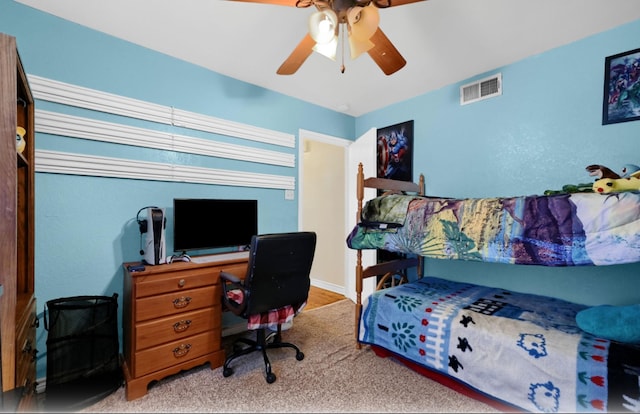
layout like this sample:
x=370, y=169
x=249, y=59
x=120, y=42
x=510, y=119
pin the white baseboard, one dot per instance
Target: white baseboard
x=328, y=286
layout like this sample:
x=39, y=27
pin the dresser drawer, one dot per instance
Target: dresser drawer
x=176, y=302
x=26, y=363
x=173, y=353
x=156, y=284
x=173, y=328
x=26, y=352
x=237, y=269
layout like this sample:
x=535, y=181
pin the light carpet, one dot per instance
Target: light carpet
x=334, y=376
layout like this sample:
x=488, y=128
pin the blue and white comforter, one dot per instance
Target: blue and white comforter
x=523, y=349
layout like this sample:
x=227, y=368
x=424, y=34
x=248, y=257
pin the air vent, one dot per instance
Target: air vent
x=482, y=89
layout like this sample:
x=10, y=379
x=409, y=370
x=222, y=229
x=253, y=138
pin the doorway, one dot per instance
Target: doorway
x=322, y=191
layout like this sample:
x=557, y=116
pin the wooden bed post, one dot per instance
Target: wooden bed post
x=360, y=196
x=380, y=269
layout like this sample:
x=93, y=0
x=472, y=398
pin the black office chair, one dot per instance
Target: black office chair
x=277, y=277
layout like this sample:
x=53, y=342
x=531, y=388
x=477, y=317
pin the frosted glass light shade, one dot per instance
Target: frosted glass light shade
x=323, y=25
x=327, y=49
x=363, y=23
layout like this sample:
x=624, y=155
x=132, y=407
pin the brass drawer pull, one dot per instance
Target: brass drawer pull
x=181, y=326
x=181, y=283
x=181, y=350
x=181, y=302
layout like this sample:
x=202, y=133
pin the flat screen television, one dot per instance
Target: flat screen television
x=203, y=223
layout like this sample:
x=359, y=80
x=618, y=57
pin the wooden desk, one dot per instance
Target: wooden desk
x=172, y=319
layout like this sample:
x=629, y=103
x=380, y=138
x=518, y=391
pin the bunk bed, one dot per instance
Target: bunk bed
x=514, y=351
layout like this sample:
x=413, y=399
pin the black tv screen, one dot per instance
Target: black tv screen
x=200, y=224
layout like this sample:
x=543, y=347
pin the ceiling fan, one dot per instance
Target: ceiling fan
x=357, y=18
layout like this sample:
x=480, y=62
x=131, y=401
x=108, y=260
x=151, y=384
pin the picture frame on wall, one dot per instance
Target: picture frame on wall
x=621, y=101
x=395, y=152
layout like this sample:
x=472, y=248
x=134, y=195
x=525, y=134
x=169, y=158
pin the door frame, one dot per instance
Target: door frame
x=303, y=135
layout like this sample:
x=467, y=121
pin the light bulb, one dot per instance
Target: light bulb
x=322, y=26
x=325, y=26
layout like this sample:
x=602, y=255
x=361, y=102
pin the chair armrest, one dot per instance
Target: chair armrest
x=230, y=277
x=229, y=283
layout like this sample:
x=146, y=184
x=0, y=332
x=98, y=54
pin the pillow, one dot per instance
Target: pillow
x=617, y=323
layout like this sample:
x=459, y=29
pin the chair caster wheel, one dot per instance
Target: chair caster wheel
x=299, y=356
x=271, y=378
x=226, y=372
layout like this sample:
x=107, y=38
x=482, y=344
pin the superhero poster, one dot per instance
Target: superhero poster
x=621, y=88
x=395, y=152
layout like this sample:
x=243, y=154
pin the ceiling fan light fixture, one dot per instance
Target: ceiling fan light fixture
x=327, y=49
x=363, y=23
x=323, y=25
x=359, y=46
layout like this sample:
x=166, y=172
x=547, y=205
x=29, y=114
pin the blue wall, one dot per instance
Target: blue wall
x=540, y=134
x=85, y=226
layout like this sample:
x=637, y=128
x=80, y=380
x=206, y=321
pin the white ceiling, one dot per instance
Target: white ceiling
x=443, y=41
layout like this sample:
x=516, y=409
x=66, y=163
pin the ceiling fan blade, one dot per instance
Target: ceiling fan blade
x=297, y=57
x=385, y=54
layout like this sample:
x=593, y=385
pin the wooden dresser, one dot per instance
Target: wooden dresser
x=172, y=319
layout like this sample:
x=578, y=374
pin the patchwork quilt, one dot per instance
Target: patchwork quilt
x=522, y=349
x=550, y=230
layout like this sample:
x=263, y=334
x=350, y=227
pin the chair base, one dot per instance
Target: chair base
x=262, y=343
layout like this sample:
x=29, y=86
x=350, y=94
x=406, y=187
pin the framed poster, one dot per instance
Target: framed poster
x=395, y=161
x=621, y=101
x=395, y=152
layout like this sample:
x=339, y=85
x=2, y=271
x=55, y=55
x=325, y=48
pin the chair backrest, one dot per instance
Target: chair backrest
x=278, y=272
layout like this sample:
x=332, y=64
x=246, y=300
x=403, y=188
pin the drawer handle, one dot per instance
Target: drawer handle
x=181, y=350
x=35, y=323
x=181, y=302
x=181, y=326
x=181, y=283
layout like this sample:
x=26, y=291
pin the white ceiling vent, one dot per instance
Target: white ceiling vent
x=481, y=89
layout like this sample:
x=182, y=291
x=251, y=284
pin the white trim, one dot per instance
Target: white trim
x=73, y=95
x=332, y=287
x=85, y=128
x=78, y=96
x=329, y=139
x=82, y=164
x=206, y=123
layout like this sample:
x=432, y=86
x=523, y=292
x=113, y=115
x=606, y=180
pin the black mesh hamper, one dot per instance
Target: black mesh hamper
x=83, y=361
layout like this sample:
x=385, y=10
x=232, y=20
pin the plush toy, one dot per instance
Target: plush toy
x=20, y=142
x=629, y=170
x=617, y=323
x=615, y=185
x=608, y=181
x=600, y=171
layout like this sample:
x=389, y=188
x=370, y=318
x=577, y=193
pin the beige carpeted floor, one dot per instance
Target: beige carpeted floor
x=334, y=376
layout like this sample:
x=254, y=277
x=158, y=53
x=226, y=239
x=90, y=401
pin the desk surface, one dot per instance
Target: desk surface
x=220, y=259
